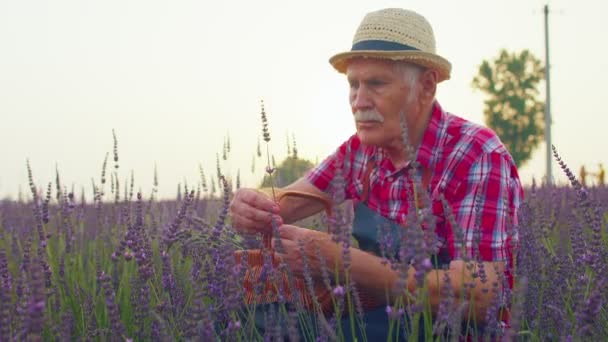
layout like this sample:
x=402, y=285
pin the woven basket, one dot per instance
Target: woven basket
x=269, y=290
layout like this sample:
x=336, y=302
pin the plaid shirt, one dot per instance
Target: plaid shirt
x=467, y=163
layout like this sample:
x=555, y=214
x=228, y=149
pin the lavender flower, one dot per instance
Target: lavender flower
x=112, y=307
x=5, y=298
x=36, y=303
x=292, y=325
x=588, y=313
x=446, y=305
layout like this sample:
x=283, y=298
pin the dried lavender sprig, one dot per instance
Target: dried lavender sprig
x=225, y=151
x=517, y=309
x=295, y=147
x=307, y=275
x=103, y=171
x=405, y=140
x=117, y=193
x=112, y=183
x=169, y=235
x=446, y=306
x=42, y=259
x=324, y=268
x=36, y=206
x=265, y=130
x=115, y=149
x=595, y=221
x=218, y=169
x=45, y=204
x=221, y=219
x=203, y=178
x=66, y=212
x=131, y=185
x=358, y=304
x=58, y=186
x=238, y=179
x=459, y=244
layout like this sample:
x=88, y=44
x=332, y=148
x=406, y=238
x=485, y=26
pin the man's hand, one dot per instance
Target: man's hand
x=252, y=211
x=315, y=245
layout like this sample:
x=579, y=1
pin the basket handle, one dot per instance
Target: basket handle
x=267, y=238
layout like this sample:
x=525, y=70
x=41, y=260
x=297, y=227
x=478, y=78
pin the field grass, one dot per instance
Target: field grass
x=124, y=267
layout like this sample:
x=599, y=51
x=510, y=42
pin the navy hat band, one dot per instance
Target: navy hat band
x=381, y=45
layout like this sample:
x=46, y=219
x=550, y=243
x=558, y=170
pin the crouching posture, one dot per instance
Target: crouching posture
x=410, y=167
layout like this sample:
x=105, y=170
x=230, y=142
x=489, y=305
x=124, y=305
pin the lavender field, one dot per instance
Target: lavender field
x=114, y=265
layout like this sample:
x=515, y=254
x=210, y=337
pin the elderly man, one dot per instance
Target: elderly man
x=393, y=72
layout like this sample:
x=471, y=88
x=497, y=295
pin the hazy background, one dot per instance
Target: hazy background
x=175, y=78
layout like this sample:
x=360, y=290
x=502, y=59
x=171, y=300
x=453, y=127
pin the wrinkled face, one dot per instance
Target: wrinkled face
x=379, y=93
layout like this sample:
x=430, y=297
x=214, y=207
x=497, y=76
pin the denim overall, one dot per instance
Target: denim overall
x=365, y=230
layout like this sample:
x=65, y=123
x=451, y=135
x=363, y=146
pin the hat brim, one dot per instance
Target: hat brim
x=425, y=59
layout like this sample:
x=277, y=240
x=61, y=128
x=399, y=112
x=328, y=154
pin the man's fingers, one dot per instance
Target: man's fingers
x=260, y=201
x=289, y=232
x=288, y=245
x=250, y=225
x=246, y=225
x=251, y=211
x=261, y=216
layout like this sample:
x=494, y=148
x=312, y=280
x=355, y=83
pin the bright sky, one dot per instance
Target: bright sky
x=174, y=78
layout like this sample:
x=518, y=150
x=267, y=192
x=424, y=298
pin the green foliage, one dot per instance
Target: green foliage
x=288, y=171
x=512, y=108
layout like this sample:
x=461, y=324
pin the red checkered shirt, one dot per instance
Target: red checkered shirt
x=467, y=163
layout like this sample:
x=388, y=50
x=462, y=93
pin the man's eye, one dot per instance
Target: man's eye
x=375, y=83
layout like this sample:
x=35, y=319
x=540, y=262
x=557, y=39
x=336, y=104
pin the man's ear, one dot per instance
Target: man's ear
x=428, y=81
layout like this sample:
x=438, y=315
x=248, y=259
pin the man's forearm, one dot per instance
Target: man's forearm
x=379, y=281
x=371, y=276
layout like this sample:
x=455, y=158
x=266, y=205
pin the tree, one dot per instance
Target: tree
x=288, y=171
x=512, y=108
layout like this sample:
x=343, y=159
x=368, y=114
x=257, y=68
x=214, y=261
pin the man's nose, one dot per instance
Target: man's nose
x=360, y=99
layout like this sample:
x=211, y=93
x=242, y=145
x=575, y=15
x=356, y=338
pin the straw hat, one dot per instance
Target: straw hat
x=395, y=34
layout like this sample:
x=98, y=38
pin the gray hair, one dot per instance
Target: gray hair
x=410, y=73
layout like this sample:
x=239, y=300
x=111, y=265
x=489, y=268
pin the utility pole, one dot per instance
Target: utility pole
x=549, y=175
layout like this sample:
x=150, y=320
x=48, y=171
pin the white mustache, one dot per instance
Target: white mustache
x=368, y=115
